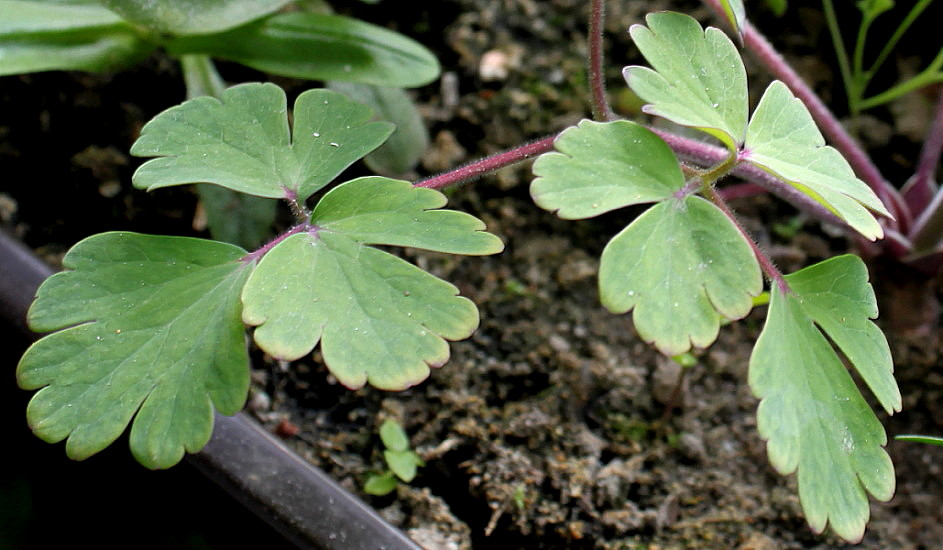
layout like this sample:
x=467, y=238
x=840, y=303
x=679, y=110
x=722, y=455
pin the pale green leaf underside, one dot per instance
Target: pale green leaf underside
x=317, y=46
x=378, y=210
x=602, y=166
x=681, y=265
x=698, y=78
x=192, y=16
x=812, y=413
x=147, y=326
x=783, y=139
x=244, y=142
x=380, y=320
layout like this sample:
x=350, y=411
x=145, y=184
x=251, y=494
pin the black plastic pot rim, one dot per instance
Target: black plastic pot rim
x=297, y=499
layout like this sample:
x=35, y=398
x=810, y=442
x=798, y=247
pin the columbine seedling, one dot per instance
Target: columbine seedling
x=685, y=264
x=152, y=328
x=401, y=461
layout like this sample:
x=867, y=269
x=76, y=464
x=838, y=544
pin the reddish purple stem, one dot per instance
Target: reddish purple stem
x=597, y=79
x=487, y=165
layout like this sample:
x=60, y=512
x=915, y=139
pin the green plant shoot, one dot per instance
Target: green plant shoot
x=150, y=330
x=685, y=265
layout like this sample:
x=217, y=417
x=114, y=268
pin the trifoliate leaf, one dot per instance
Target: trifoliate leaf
x=379, y=318
x=812, y=414
x=698, y=78
x=147, y=326
x=244, y=142
x=783, y=140
x=192, y=16
x=681, y=265
x=736, y=15
x=602, y=166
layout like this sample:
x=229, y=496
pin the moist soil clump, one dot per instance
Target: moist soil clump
x=553, y=426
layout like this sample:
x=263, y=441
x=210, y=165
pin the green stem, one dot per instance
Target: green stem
x=854, y=94
x=475, y=170
x=930, y=75
x=915, y=12
x=200, y=76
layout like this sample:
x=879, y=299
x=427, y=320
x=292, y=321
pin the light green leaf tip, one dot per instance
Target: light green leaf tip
x=783, y=139
x=736, y=16
x=698, y=78
x=379, y=319
x=602, y=166
x=811, y=413
x=146, y=327
x=681, y=266
x=244, y=142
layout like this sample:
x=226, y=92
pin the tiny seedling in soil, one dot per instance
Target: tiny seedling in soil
x=401, y=461
x=149, y=330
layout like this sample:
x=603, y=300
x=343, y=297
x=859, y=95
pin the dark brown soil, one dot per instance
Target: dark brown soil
x=553, y=426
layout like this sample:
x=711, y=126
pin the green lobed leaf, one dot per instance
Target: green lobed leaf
x=698, y=78
x=602, y=166
x=681, y=265
x=378, y=210
x=243, y=142
x=43, y=36
x=783, y=140
x=146, y=327
x=736, y=15
x=400, y=153
x=811, y=413
x=233, y=217
x=379, y=319
x=320, y=47
x=179, y=17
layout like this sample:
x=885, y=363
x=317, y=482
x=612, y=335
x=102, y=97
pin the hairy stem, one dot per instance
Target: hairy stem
x=766, y=263
x=257, y=254
x=478, y=168
x=597, y=76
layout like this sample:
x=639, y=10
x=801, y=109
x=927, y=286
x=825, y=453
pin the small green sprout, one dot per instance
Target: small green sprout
x=401, y=461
